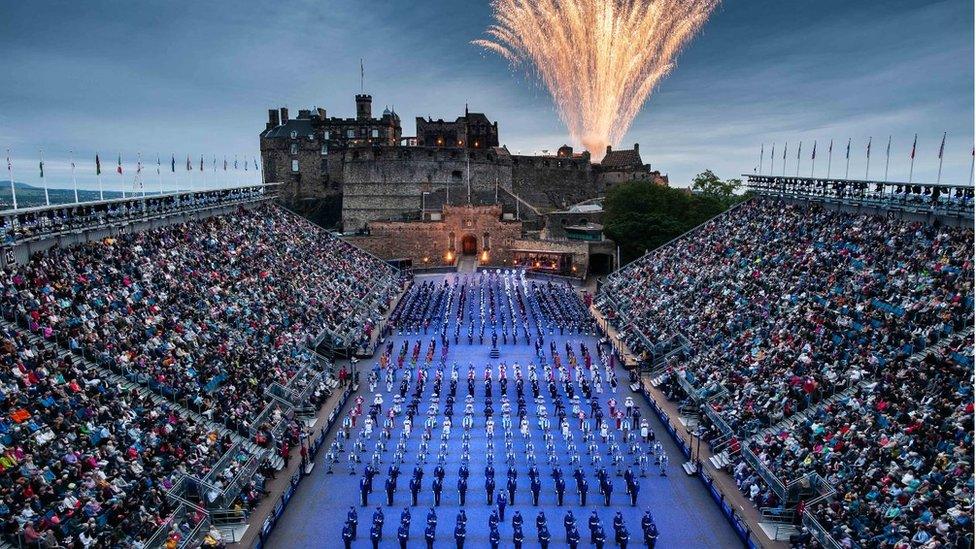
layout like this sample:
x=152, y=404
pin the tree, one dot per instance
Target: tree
x=709, y=184
x=641, y=215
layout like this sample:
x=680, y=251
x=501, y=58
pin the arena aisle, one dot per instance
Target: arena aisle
x=466, y=308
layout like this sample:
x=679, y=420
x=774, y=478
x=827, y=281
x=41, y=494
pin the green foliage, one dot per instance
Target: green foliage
x=641, y=216
x=709, y=184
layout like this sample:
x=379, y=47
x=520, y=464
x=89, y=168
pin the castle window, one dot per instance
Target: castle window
x=450, y=242
x=294, y=165
x=294, y=148
x=294, y=135
x=326, y=135
x=325, y=149
x=376, y=133
x=350, y=133
x=487, y=241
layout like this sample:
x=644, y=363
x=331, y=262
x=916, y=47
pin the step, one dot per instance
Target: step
x=232, y=533
x=778, y=531
x=689, y=468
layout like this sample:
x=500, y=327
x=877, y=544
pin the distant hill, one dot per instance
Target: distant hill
x=29, y=196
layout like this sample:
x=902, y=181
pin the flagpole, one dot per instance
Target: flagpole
x=138, y=178
x=972, y=164
x=798, y=149
x=762, y=153
x=887, y=158
x=98, y=176
x=813, y=157
x=47, y=199
x=911, y=166
x=847, y=170
x=867, y=167
x=121, y=175
x=941, y=154
x=159, y=174
x=13, y=190
x=772, y=158
x=785, y=147
x=830, y=154
x=74, y=180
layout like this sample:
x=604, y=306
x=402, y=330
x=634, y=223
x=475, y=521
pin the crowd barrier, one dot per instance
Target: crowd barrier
x=737, y=522
x=279, y=509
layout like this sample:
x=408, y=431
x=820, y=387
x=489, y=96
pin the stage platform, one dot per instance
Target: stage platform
x=683, y=511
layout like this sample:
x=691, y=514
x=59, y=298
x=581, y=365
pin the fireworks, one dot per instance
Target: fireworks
x=600, y=59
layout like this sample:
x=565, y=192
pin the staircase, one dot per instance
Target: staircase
x=467, y=264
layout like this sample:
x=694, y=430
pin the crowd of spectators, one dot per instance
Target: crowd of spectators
x=212, y=311
x=784, y=304
x=898, y=450
x=209, y=312
x=86, y=463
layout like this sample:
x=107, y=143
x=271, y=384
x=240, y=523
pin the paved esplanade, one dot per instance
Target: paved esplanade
x=468, y=420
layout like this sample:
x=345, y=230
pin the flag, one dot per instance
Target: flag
x=159, y=165
x=235, y=162
x=888, y=149
x=813, y=156
x=41, y=165
x=119, y=168
x=201, y=162
x=942, y=146
x=189, y=166
x=912, y=156
x=869, y=147
x=848, y=154
x=256, y=163
x=225, y=163
x=9, y=165
x=215, y=164
x=172, y=163
x=98, y=165
x=830, y=148
x=245, y=164
x=139, y=165
x=798, y=149
x=786, y=146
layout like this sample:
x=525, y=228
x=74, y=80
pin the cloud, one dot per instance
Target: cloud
x=192, y=78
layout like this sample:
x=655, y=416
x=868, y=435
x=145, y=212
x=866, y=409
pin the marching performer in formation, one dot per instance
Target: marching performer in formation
x=559, y=410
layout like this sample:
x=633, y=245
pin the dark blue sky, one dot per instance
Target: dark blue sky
x=198, y=77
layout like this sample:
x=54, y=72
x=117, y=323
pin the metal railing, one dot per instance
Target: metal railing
x=43, y=222
x=818, y=532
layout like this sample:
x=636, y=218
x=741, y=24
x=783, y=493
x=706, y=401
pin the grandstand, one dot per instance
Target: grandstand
x=818, y=338
x=208, y=368
x=158, y=361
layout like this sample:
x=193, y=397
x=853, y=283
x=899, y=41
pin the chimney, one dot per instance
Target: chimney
x=609, y=149
x=284, y=115
x=273, y=120
x=636, y=147
x=364, y=107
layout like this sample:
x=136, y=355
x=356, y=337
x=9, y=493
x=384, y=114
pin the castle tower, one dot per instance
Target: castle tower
x=364, y=106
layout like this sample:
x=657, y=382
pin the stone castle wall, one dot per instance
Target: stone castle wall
x=386, y=183
x=439, y=243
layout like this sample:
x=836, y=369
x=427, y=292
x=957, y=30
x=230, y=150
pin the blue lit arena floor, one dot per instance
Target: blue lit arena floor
x=683, y=511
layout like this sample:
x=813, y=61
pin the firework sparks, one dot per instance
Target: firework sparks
x=600, y=59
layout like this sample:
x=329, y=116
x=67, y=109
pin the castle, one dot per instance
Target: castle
x=362, y=174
